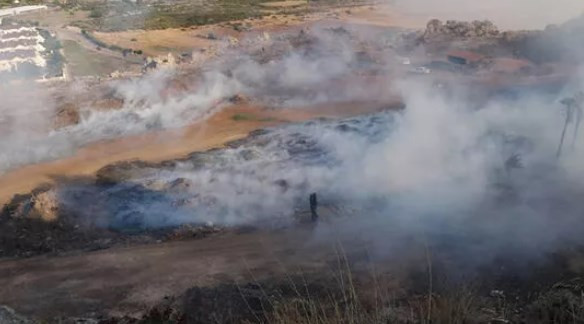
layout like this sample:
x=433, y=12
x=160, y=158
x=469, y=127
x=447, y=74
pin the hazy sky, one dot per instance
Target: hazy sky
x=508, y=14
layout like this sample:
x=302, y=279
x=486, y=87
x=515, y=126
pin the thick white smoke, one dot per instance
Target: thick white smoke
x=29, y=113
x=25, y=114
x=445, y=159
x=145, y=107
x=294, y=79
x=436, y=157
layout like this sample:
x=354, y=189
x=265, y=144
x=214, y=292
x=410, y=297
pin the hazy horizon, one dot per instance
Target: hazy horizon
x=507, y=14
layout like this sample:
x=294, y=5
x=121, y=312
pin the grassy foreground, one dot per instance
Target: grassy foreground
x=356, y=294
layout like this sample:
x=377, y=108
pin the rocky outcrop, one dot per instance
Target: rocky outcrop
x=42, y=205
x=34, y=223
x=46, y=205
x=554, y=44
x=453, y=30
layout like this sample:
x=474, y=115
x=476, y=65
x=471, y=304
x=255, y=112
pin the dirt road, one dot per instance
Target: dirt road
x=129, y=280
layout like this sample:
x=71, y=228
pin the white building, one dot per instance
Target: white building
x=18, y=10
x=20, y=45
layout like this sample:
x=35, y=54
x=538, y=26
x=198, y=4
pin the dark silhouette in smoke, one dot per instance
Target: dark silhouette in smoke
x=313, y=207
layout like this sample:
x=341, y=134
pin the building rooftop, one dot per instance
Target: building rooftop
x=16, y=34
x=12, y=44
x=25, y=53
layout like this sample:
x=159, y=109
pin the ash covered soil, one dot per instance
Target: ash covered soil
x=143, y=217
x=139, y=202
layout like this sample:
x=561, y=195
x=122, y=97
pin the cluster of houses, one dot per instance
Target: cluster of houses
x=20, y=45
x=23, y=48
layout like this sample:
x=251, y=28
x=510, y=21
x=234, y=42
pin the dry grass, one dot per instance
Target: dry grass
x=564, y=303
x=372, y=298
x=342, y=294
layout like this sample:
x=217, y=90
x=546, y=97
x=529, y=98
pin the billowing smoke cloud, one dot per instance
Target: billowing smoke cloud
x=440, y=157
x=224, y=186
x=146, y=108
x=443, y=165
x=508, y=14
x=294, y=78
x=298, y=77
x=25, y=113
x=30, y=137
x=435, y=159
x=299, y=68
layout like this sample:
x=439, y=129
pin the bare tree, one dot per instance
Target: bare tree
x=573, y=114
x=569, y=104
x=579, y=99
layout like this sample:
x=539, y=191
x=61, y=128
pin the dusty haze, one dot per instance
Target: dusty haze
x=508, y=14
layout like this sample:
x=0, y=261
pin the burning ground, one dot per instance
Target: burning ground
x=481, y=201
x=447, y=193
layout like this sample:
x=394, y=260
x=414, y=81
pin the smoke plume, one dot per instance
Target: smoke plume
x=447, y=164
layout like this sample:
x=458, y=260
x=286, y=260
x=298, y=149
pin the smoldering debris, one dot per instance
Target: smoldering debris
x=39, y=223
x=441, y=172
x=474, y=182
x=436, y=167
x=221, y=186
x=139, y=202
